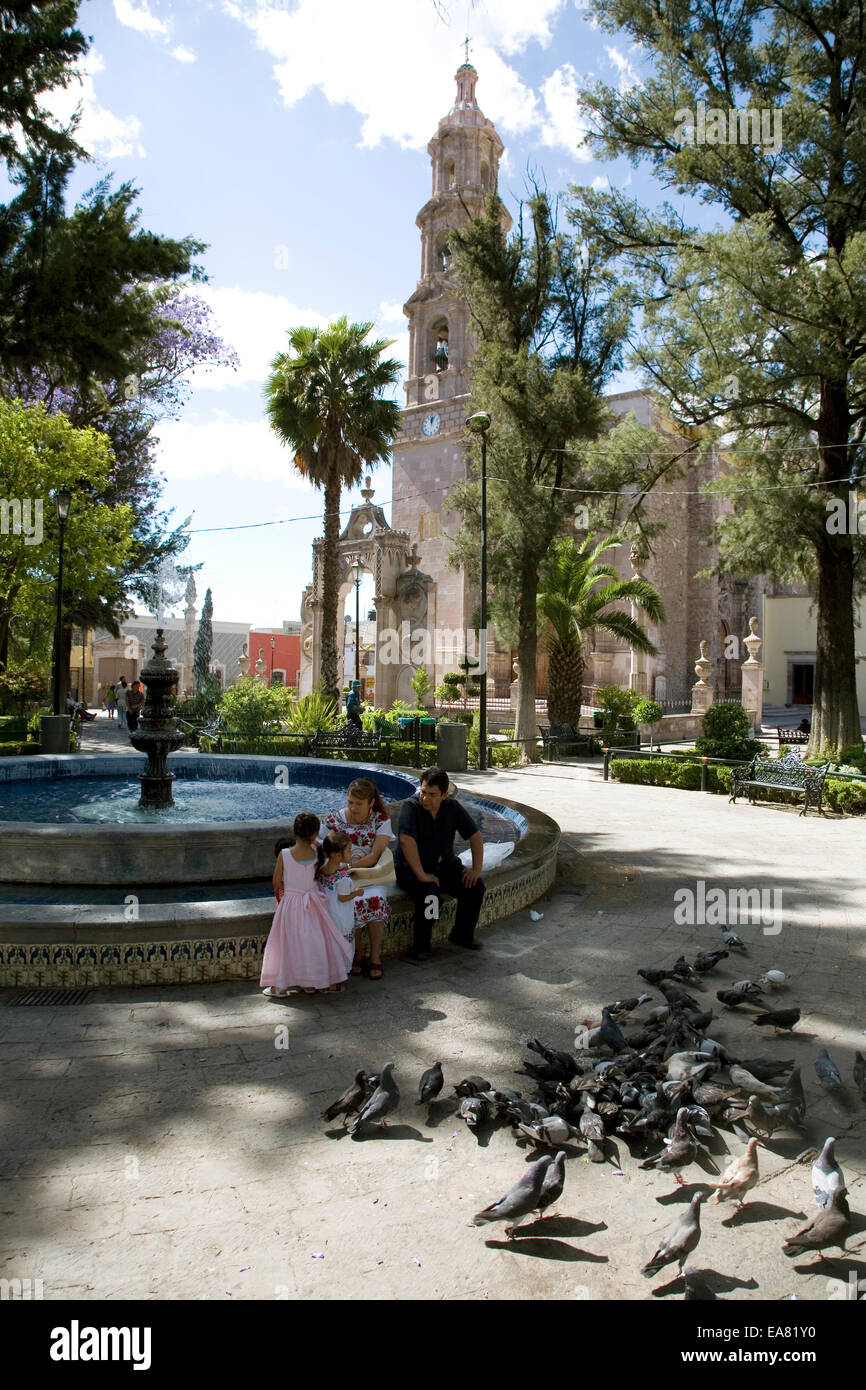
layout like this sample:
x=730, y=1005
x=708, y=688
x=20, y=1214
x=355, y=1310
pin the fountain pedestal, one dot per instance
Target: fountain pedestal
x=158, y=734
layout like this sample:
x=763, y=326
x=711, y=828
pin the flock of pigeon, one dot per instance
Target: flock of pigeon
x=657, y=1080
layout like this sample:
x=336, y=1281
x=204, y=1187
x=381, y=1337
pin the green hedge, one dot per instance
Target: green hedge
x=293, y=745
x=17, y=750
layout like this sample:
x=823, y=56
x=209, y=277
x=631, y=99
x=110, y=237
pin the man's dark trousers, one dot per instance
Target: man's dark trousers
x=469, y=901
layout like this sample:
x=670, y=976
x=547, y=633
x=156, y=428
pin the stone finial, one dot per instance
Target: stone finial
x=261, y=665
x=639, y=557
x=367, y=491
x=702, y=690
x=243, y=663
x=753, y=643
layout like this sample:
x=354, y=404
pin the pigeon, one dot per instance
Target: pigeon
x=520, y=1200
x=700, y=1021
x=697, y=1288
x=674, y=995
x=351, y=1100
x=766, y=1068
x=654, y=977
x=679, y=1153
x=767, y=1118
x=730, y=997
x=794, y=1096
x=772, y=979
x=860, y=1074
x=829, y=1227
x=592, y=1129
x=733, y=942
x=431, y=1084
x=475, y=1110
x=609, y=1034
x=827, y=1071
x=685, y=972
x=747, y=988
x=565, y=1060
x=679, y=1240
x=739, y=1177
x=472, y=1086
x=708, y=960
x=778, y=1018
x=554, y=1182
x=384, y=1099
x=751, y=1086
x=627, y=1006
x=826, y=1174
x=690, y=1064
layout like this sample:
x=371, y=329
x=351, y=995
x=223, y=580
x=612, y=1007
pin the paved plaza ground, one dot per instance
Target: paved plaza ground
x=165, y=1143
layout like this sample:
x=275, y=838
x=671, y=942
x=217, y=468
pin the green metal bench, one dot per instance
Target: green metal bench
x=787, y=774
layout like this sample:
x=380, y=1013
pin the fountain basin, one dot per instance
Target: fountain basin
x=183, y=938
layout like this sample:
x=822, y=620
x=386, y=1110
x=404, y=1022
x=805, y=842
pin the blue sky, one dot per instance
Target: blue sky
x=291, y=136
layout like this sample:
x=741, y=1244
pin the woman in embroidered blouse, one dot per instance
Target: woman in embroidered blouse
x=368, y=826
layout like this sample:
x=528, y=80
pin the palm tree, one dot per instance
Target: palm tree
x=325, y=401
x=574, y=607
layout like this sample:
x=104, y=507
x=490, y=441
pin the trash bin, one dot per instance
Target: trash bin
x=54, y=733
x=428, y=730
x=406, y=727
x=451, y=746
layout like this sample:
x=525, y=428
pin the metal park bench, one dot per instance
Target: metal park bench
x=555, y=734
x=351, y=739
x=781, y=774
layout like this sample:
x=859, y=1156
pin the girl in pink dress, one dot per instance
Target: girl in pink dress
x=304, y=949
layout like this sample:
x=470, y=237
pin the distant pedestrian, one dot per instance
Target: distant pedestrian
x=111, y=701
x=134, y=703
x=121, y=690
x=353, y=705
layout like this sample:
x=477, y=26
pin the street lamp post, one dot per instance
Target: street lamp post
x=356, y=571
x=62, y=501
x=480, y=424
x=271, y=677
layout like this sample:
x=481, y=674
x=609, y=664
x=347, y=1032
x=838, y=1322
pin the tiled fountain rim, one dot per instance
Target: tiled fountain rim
x=182, y=943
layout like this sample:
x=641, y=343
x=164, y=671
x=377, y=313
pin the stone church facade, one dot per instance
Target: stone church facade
x=429, y=606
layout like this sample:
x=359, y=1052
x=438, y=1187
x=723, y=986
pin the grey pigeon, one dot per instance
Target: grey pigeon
x=829, y=1227
x=431, y=1084
x=751, y=1086
x=592, y=1130
x=707, y=960
x=733, y=942
x=860, y=1074
x=351, y=1100
x=472, y=1086
x=767, y=1118
x=732, y=998
x=747, y=987
x=475, y=1110
x=384, y=1099
x=627, y=1006
x=680, y=1152
x=778, y=1018
x=554, y=1182
x=679, y=1240
x=520, y=1200
x=610, y=1034
x=674, y=995
x=826, y=1174
x=827, y=1071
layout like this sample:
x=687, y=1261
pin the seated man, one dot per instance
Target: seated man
x=426, y=866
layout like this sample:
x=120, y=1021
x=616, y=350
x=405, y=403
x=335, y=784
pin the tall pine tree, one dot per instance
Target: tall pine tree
x=203, y=650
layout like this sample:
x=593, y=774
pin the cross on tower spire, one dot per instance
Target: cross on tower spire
x=466, y=46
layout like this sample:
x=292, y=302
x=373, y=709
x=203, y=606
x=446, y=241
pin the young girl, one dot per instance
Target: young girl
x=336, y=885
x=304, y=949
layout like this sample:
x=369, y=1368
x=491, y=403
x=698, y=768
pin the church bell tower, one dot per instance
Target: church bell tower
x=429, y=454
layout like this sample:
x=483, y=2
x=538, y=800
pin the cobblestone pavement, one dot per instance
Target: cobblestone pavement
x=166, y=1143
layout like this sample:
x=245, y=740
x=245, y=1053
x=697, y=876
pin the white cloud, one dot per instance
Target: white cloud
x=139, y=18
x=628, y=75
x=391, y=312
x=184, y=55
x=227, y=445
x=564, y=125
x=255, y=325
x=100, y=131
x=601, y=181
x=394, y=71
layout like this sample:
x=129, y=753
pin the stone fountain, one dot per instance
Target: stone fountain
x=158, y=734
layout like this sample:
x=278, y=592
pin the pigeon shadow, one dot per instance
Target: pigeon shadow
x=563, y=1226
x=704, y=1161
x=393, y=1132
x=715, y=1281
x=541, y=1248
x=682, y=1194
x=531, y=1151
x=437, y=1112
x=760, y=1211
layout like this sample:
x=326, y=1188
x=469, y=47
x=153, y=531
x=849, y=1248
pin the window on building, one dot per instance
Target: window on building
x=439, y=339
x=485, y=176
x=450, y=175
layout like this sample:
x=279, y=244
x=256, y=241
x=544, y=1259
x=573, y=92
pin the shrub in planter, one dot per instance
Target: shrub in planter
x=727, y=733
x=849, y=797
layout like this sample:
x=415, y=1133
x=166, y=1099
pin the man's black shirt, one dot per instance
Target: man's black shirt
x=433, y=836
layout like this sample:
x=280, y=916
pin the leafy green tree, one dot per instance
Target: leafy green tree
x=422, y=685
x=577, y=598
x=39, y=45
x=755, y=329
x=550, y=326
x=203, y=650
x=325, y=402
x=40, y=453
x=254, y=709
